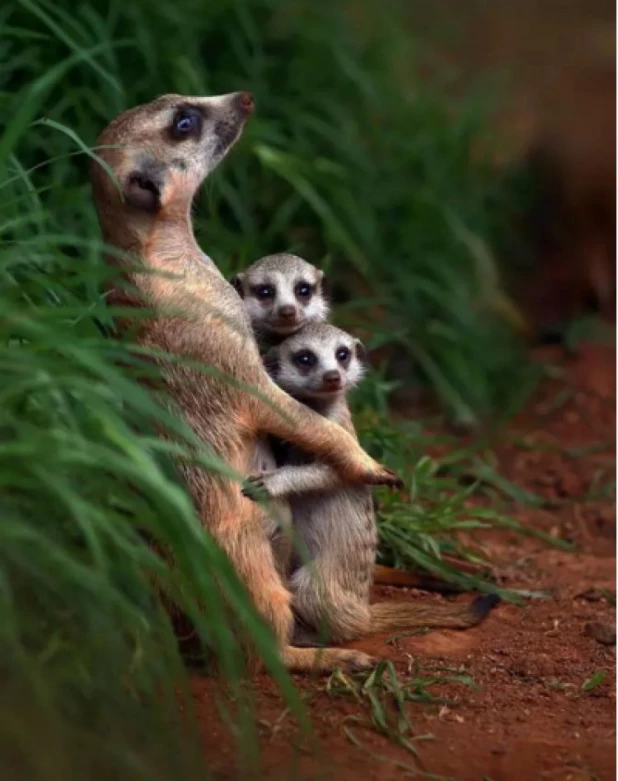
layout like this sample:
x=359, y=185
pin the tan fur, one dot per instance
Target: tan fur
x=199, y=316
x=331, y=576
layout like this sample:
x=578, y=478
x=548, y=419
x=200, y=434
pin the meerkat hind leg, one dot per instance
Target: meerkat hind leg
x=241, y=533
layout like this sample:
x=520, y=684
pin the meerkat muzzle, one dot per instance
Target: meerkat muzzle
x=246, y=102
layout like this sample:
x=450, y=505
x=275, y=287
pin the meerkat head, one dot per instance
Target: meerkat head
x=318, y=362
x=161, y=152
x=282, y=293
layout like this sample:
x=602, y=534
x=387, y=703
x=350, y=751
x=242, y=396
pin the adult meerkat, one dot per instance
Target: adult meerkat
x=336, y=523
x=160, y=153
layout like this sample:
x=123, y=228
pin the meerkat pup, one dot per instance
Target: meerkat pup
x=281, y=294
x=160, y=153
x=336, y=523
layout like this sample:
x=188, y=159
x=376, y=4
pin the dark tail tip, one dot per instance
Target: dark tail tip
x=482, y=606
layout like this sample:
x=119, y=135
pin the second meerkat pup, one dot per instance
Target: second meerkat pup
x=336, y=523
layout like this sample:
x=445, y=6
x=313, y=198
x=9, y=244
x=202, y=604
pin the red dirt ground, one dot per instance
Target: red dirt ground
x=529, y=719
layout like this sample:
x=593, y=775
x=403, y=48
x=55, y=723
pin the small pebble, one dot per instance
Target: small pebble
x=604, y=633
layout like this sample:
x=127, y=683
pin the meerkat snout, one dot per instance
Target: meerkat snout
x=318, y=362
x=288, y=313
x=246, y=102
x=282, y=293
x=331, y=380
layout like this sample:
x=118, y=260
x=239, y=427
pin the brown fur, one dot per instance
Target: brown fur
x=198, y=315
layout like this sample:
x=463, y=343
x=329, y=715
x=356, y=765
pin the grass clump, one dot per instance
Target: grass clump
x=385, y=700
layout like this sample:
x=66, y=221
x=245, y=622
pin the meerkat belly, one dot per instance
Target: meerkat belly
x=337, y=532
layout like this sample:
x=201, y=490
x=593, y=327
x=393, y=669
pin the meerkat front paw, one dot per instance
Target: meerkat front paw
x=256, y=487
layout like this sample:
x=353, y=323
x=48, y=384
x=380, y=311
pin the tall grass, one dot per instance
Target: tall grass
x=91, y=675
x=351, y=161
x=354, y=159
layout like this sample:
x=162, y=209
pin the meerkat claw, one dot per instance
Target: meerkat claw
x=255, y=488
x=387, y=478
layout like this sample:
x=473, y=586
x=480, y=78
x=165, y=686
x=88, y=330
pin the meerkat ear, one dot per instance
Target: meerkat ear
x=143, y=191
x=322, y=282
x=271, y=362
x=361, y=351
x=236, y=282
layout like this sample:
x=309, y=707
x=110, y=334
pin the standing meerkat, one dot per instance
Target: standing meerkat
x=160, y=153
x=336, y=523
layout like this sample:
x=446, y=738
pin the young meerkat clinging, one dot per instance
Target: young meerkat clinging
x=281, y=293
x=336, y=523
x=160, y=153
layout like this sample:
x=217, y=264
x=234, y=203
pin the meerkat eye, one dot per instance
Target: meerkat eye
x=305, y=358
x=303, y=290
x=264, y=292
x=343, y=354
x=186, y=122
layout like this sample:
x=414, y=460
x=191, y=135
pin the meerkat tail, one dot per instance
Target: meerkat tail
x=387, y=576
x=400, y=615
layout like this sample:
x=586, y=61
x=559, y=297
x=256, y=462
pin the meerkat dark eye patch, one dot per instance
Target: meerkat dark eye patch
x=236, y=283
x=271, y=363
x=263, y=292
x=187, y=122
x=303, y=290
x=305, y=359
x=343, y=355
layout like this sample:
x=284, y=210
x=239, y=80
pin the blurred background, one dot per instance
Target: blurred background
x=452, y=168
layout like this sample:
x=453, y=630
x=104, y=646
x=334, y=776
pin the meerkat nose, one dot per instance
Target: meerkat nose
x=332, y=379
x=287, y=312
x=246, y=102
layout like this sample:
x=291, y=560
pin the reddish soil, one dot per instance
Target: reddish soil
x=530, y=718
